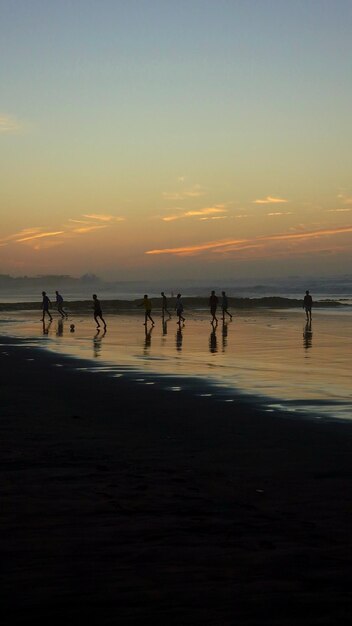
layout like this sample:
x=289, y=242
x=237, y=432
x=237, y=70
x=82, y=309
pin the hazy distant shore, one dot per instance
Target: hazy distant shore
x=112, y=305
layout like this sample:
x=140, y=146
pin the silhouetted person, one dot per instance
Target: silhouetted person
x=164, y=305
x=179, y=309
x=307, y=305
x=213, y=303
x=224, y=305
x=147, y=303
x=45, y=306
x=98, y=312
x=60, y=302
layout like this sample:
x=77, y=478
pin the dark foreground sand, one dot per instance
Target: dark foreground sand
x=126, y=504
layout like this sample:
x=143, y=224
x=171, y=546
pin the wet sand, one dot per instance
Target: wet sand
x=123, y=502
x=272, y=354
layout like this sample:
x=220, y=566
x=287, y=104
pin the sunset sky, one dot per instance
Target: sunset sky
x=188, y=138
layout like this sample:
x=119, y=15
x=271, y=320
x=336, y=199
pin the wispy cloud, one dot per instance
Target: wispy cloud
x=230, y=245
x=277, y=213
x=345, y=199
x=88, y=229
x=339, y=210
x=8, y=124
x=79, y=221
x=214, y=217
x=24, y=233
x=195, y=213
x=100, y=217
x=74, y=227
x=194, y=192
x=270, y=200
x=40, y=236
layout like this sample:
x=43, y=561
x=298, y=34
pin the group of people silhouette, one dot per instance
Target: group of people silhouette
x=46, y=304
x=147, y=304
x=213, y=304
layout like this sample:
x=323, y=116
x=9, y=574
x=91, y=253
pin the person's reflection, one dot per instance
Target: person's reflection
x=97, y=342
x=213, y=343
x=224, y=336
x=307, y=335
x=148, y=337
x=46, y=327
x=165, y=326
x=179, y=339
x=60, y=328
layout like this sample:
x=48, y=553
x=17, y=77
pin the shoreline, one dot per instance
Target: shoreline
x=123, y=501
x=190, y=303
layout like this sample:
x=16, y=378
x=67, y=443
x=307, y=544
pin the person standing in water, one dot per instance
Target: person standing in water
x=147, y=303
x=213, y=303
x=179, y=309
x=45, y=306
x=60, y=302
x=307, y=305
x=224, y=306
x=97, y=311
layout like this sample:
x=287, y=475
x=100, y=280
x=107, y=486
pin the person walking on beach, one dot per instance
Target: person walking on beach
x=213, y=303
x=98, y=311
x=307, y=305
x=179, y=309
x=147, y=303
x=224, y=306
x=164, y=305
x=45, y=306
x=59, y=303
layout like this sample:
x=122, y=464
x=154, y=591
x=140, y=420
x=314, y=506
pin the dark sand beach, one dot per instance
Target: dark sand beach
x=124, y=503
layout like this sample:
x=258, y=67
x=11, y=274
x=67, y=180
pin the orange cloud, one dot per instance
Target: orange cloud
x=234, y=244
x=280, y=213
x=344, y=198
x=270, y=200
x=88, y=229
x=194, y=213
x=39, y=236
x=195, y=192
x=105, y=218
x=339, y=210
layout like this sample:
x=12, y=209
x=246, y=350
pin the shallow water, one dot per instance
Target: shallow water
x=273, y=355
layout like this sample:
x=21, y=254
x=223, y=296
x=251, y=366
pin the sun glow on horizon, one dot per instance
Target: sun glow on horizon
x=130, y=145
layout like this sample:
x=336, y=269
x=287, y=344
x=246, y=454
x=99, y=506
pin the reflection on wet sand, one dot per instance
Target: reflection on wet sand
x=213, y=343
x=148, y=338
x=179, y=339
x=46, y=327
x=97, y=342
x=224, y=333
x=307, y=335
x=266, y=359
